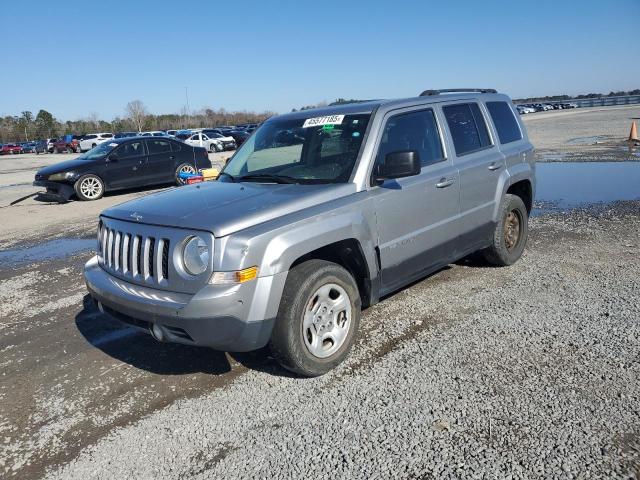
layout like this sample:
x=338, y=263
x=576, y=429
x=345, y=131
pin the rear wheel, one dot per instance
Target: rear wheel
x=183, y=168
x=89, y=187
x=318, y=318
x=510, y=235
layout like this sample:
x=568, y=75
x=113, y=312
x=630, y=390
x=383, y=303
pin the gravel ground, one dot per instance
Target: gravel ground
x=530, y=371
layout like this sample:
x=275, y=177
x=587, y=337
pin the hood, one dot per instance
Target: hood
x=64, y=166
x=223, y=208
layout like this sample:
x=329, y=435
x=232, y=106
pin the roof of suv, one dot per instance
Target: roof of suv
x=369, y=106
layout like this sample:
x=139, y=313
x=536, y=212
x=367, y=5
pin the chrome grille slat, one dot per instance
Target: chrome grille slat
x=110, y=248
x=145, y=258
x=125, y=253
x=135, y=256
x=116, y=251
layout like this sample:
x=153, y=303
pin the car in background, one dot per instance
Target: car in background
x=570, y=105
x=50, y=144
x=155, y=133
x=523, y=110
x=213, y=142
x=12, y=148
x=239, y=136
x=28, y=147
x=125, y=134
x=228, y=142
x=68, y=144
x=40, y=146
x=122, y=163
x=92, y=140
x=172, y=133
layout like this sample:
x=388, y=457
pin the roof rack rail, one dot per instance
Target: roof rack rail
x=428, y=93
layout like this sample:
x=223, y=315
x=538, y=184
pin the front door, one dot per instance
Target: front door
x=126, y=167
x=416, y=216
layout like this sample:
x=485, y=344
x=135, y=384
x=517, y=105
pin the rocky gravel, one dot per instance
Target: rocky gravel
x=530, y=371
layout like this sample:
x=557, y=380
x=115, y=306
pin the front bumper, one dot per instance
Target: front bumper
x=226, y=317
x=63, y=190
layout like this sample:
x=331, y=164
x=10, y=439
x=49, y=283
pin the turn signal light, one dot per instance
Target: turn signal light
x=229, y=278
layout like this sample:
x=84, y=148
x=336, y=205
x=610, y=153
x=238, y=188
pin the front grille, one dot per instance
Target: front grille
x=41, y=177
x=134, y=255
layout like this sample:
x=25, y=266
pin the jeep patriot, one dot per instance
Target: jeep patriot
x=319, y=214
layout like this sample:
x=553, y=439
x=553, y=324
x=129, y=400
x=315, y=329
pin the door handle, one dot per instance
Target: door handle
x=495, y=166
x=172, y=157
x=445, y=182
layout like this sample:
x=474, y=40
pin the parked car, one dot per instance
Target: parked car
x=92, y=140
x=228, y=142
x=28, y=147
x=50, y=144
x=125, y=134
x=40, y=146
x=523, y=110
x=292, y=241
x=122, y=163
x=12, y=148
x=67, y=143
x=239, y=136
x=200, y=139
x=172, y=133
x=155, y=133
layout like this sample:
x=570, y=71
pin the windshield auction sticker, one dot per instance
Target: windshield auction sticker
x=319, y=121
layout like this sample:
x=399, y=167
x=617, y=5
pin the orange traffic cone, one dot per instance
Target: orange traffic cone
x=633, y=134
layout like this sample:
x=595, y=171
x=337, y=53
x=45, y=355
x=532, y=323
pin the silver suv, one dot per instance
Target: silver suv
x=319, y=214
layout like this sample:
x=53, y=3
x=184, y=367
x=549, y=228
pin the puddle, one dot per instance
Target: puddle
x=576, y=184
x=52, y=250
x=592, y=140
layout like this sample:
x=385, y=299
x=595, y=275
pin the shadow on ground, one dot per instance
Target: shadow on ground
x=139, y=349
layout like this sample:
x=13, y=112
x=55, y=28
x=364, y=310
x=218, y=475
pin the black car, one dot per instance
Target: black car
x=125, y=134
x=122, y=163
x=239, y=136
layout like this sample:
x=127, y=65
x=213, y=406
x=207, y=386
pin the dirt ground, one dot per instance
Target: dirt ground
x=583, y=134
x=72, y=378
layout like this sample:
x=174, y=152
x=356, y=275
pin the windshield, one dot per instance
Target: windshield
x=99, y=151
x=312, y=150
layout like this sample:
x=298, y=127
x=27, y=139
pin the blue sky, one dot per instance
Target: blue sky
x=73, y=58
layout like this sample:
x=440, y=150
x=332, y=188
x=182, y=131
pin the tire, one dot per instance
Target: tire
x=506, y=248
x=295, y=342
x=70, y=150
x=183, y=167
x=212, y=148
x=78, y=149
x=93, y=145
x=89, y=187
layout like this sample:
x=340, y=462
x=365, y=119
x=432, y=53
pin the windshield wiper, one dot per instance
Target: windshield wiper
x=268, y=177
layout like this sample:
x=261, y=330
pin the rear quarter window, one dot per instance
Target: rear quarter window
x=467, y=126
x=505, y=122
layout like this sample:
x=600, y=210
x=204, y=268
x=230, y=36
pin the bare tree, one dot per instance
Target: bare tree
x=137, y=113
x=94, y=120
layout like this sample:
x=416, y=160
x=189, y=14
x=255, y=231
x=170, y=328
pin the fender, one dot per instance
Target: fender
x=513, y=174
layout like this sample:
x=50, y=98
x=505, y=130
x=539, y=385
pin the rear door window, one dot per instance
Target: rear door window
x=158, y=146
x=505, y=122
x=468, y=128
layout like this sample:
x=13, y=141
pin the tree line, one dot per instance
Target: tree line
x=136, y=118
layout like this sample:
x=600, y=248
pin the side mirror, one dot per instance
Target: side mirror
x=398, y=165
x=112, y=157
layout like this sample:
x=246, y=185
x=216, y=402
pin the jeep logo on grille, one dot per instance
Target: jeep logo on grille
x=136, y=216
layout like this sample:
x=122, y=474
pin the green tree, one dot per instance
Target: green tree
x=45, y=125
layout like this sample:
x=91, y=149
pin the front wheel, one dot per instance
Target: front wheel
x=89, y=187
x=510, y=235
x=318, y=318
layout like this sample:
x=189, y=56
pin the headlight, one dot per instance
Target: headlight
x=195, y=255
x=61, y=176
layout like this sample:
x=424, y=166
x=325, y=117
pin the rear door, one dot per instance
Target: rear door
x=480, y=164
x=127, y=169
x=416, y=216
x=160, y=161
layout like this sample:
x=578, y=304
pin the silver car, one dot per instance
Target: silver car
x=318, y=215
